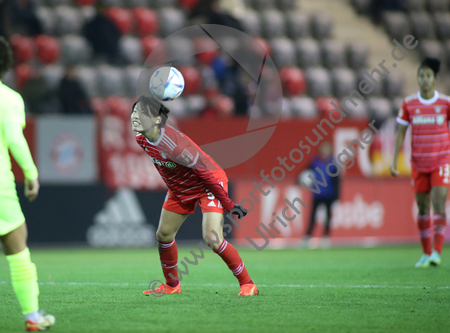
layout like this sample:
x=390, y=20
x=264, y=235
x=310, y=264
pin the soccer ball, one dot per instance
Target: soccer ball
x=167, y=83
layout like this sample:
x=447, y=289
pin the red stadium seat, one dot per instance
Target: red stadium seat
x=224, y=106
x=122, y=18
x=205, y=43
x=146, y=20
x=324, y=105
x=23, y=48
x=148, y=45
x=23, y=73
x=264, y=44
x=49, y=49
x=119, y=106
x=188, y=4
x=210, y=92
x=85, y=2
x=192, y=80
x=293, y=81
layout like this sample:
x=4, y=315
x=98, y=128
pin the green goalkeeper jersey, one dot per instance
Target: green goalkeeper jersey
x=12, y=122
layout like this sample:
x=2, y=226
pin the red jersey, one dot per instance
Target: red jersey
x=187, y=171
x=430, y=133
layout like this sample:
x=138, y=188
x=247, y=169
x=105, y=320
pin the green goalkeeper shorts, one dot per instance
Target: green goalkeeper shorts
x=11, y=216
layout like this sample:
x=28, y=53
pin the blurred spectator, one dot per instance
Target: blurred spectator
x=72, y=96
x=39, y=97
x=210, y=12
x=228, y=73
x=263, y=97
x=328, y=194
x=3, y=20
x=23, y=17
x=103, y=35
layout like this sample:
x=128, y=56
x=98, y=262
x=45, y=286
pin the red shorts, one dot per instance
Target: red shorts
x=424, y=181
x=208, y=203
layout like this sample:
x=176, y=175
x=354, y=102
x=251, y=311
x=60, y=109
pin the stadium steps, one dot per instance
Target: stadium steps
x=348, y=27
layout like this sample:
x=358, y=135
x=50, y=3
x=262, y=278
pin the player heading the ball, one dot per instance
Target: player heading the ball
x=428, y=113
x=192, y=178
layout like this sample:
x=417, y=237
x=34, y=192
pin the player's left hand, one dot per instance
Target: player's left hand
x=393, y=169
x=31, y=189
x=239, y=211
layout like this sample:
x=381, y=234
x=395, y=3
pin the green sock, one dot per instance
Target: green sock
x=24, y=280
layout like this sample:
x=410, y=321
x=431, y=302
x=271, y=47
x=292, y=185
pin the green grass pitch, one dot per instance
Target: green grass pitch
x=333, y=290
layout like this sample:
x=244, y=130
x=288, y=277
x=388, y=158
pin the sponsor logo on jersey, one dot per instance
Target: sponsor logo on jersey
x=212, y=204
x=428, y=120
x=400, y=113
x=170, y=165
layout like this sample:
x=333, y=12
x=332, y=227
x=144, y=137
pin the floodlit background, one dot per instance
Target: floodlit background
x=92, y=228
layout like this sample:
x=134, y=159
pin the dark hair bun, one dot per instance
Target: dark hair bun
x=432, y=63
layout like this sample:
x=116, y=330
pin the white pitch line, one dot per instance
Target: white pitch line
x=236, y=285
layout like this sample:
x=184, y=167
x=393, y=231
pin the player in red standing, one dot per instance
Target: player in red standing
x=428, y=113
x=192, y=178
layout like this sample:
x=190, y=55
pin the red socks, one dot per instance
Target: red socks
x=168, y=254
x=230, y=255
x=424, y=231
x=439, y=221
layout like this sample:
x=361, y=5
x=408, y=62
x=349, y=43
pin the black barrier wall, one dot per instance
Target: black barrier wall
x=97, y=216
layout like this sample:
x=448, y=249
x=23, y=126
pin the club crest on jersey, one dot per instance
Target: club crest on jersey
x=440, y=120
x=437, y=109
x=417, y=111
x=163, y=155
x=185, y=157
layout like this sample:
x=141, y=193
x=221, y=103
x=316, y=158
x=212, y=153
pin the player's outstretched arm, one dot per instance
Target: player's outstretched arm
x=20, y=151
x=212, y=183
x=190, y=155
x=399, y=139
